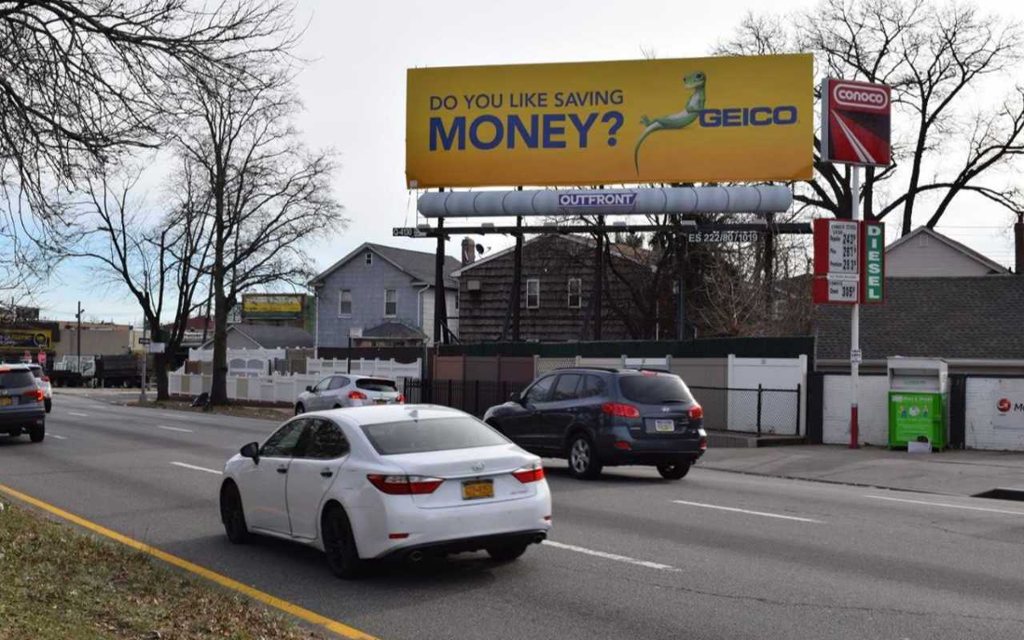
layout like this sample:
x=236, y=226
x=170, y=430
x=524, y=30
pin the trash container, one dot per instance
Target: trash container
x=918, y=400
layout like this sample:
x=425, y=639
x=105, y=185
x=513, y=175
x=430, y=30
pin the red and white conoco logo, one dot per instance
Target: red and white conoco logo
x=852, y=95
x=1003, y=405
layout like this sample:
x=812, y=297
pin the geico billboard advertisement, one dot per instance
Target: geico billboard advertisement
x=589, y=123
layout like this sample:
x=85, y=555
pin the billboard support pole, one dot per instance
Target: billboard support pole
x=517, y=280
x=599, y=278
x=439, y=306
x=855, y=324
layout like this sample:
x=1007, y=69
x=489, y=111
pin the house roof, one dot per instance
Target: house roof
x=271, y=336
x=619, y=250
x=419, y=265
x=394, y=330
x=942, y=317
x=994, y=266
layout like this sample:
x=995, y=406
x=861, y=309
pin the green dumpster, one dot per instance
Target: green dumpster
x=918, y=398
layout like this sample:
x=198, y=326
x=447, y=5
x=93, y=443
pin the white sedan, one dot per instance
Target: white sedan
x=391, y=481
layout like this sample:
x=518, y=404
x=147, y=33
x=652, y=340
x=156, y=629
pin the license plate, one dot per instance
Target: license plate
x=477, y=489
x=664, y=426
x=6, y=402
x=380, y=401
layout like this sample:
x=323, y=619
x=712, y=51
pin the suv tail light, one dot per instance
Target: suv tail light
x=401, y=399
x=621, y=410
x=404, y=485
x=696, y=412
x=45, y=378
x=530, y=473
x=36, y=395
x=356, y=395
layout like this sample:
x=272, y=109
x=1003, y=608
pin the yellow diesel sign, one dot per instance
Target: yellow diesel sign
x=735, y=119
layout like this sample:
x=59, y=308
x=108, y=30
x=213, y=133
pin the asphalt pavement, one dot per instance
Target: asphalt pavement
x=716, y=555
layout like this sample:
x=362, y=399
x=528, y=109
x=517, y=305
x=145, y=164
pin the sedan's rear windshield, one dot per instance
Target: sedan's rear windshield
x=377, y=384
x=434, y=434
x=649, y=388
x=16, y=379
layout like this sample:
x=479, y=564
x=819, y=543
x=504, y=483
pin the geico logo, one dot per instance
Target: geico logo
x=748, y=116
x=850, y=96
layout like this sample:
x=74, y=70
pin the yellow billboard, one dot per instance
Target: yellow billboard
x=264, y=304
x=729, y=119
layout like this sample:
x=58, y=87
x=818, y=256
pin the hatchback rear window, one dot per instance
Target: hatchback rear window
x=654, y=388
x=374, y=384
x=435, y=434
x=16, y=379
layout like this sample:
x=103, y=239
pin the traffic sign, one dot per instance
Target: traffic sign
x=156, y=347
x=144, y=340
x=856, y=356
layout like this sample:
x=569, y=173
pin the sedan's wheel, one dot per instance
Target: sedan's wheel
x=36, y=434
x=299, y=409
x=506, y=554
x=674, y=471
x=48, y=404
x=583, y=461
x=232, y=514
x=340, y=544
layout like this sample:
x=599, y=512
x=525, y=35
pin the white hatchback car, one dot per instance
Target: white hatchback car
x=348, y=390
x=392, y=481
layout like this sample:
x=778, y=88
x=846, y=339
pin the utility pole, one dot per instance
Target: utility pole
x=78, y=336
x=145, y=358
x=855, y=323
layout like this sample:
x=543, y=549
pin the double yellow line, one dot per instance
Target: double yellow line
x=292, y=609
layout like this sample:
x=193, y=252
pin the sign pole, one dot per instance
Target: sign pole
x=855, y=324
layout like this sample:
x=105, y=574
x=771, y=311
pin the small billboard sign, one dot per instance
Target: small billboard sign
x=856, y=123
x=849, y=262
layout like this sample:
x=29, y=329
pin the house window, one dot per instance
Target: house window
x=369, y=258
x=390, y=303
x=533, y=293
x=575, y=298
x=345, y=303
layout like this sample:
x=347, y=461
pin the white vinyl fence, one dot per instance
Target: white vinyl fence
x=365, y=367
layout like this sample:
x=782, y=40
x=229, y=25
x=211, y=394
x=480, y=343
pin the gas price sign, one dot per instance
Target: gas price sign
x=836, y=261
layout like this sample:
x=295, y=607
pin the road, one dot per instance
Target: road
x=717, y=555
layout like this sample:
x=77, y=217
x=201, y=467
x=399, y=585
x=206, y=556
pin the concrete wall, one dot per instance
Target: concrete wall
x=982, y=395
x=924, y=256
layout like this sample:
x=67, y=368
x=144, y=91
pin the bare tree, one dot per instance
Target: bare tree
x=82, y=81
x=160, y=262
x=269, y=196
x=935, y=57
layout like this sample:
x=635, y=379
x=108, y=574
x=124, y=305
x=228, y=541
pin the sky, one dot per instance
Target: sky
x=353, y=90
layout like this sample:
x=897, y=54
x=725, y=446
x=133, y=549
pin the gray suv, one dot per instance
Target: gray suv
x=22, y=405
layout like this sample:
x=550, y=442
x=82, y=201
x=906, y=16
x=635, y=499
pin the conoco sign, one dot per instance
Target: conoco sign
x=856, y=122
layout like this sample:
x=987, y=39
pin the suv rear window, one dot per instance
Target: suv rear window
x=374, y=384
x=16, y=379
x=648, y=388
x=435, y=434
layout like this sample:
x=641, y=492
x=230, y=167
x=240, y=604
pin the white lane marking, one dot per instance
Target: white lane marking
x=609, y=556
x=947, y=505
x=160, y=426
x=194, y=467
x=80, y=415
x=54, y=435
x=753, y=513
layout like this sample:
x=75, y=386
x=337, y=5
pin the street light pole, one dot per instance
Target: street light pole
x=855, y=324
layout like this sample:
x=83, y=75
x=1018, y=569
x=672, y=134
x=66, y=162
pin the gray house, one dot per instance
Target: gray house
x=377, y=288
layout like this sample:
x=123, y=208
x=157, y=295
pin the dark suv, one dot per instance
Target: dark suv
x=597, y=417
x=21, y=403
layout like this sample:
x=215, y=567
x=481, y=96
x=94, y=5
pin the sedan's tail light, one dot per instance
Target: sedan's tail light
x=530, y=473
x=404, y=485
x=356, y=395
x=621, y=410
x=35, y=395
x=696, y=412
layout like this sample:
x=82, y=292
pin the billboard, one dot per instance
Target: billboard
x=269, y=305
x=855, y=122
x=19, y=340
x=685, y=120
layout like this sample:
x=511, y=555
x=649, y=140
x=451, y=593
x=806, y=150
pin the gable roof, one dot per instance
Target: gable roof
x=940, y=317
x=992, y=265
x=619, y=250
x=269, y=336
x=395, y=330
x=419, y=265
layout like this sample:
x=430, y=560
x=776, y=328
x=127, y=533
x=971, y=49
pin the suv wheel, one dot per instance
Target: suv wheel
x=675, y=471
x=299, y=409
x=583, y=460
x=37, y=433
x=48, y=404
x=506, y=554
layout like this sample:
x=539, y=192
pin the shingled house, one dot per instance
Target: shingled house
x=556, y=292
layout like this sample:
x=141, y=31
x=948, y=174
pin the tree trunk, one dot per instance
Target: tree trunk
x=160, y=369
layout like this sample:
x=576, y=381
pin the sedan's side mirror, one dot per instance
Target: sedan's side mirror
x=309, y=388
x=515, y=397
x=251, y=450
